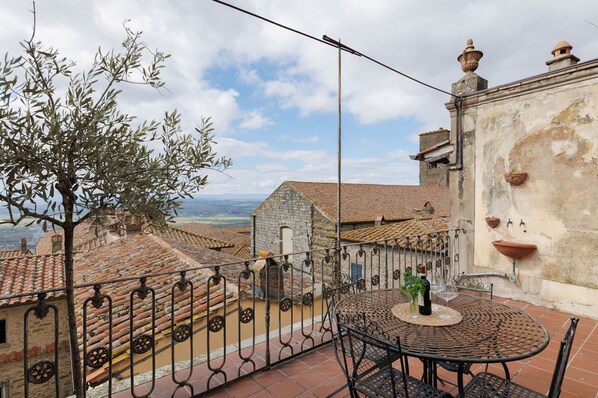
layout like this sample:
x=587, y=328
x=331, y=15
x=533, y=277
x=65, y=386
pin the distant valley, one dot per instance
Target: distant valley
x=214, y=210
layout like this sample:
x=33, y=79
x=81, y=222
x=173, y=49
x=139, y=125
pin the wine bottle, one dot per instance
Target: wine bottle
x=424, y=300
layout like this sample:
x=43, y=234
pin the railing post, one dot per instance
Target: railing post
x=268, y=361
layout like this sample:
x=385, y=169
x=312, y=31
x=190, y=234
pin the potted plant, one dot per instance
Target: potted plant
x=412, y=287
x=492, y=221
x=515, y=177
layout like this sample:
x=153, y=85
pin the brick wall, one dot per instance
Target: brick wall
x=41, y=347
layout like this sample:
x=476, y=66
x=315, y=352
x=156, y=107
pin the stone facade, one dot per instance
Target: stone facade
x=41, y=347
x=285, y=207
x=433, y=173
x=546, y=126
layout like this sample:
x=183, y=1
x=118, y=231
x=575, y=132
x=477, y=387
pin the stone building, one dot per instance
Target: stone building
x=298, y=216
x=433, y=157
x=547, y=127
x=20, y=275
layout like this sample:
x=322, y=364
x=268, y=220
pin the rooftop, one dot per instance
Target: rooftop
x=367, y=202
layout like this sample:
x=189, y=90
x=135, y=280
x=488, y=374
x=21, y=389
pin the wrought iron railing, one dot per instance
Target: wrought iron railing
x=196, y=332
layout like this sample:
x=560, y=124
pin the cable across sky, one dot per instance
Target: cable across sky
x=333, y=43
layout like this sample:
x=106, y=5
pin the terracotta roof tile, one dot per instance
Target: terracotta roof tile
x=10, y=253
x=239, y=241
x=396, y=230
x=367, y=202
x=24, y=274
x=194, y=238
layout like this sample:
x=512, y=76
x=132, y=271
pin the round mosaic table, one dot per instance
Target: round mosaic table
x=489, y=331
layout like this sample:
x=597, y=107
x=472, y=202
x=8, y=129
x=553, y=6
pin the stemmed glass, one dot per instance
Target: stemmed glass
x=437, y=286
x=449, y=293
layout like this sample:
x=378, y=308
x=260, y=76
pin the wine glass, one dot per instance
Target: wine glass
x=437, y=286
x=449, y=293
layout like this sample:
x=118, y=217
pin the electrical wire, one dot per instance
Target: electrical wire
x=333, y=43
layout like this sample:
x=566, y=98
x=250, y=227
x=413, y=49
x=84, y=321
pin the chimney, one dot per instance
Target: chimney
x=470, y=83
x=428, y=208
x=561, y=56
x=56, y=243
x=24, y=248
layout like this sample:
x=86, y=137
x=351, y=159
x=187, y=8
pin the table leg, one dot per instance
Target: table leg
x=460, y=380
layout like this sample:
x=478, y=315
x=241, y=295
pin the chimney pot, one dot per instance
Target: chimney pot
x=561, y=56
x=24, y=248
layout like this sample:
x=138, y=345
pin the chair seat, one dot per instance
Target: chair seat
x=377, y=385
x=487, y=385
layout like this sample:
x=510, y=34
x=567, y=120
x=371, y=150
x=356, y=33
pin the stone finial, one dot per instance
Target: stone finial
x=561, y=56
x=470, y=57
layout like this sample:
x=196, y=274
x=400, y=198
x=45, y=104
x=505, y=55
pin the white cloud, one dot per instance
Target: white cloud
x=254, y=120
x=300, y=75
x=312, y=139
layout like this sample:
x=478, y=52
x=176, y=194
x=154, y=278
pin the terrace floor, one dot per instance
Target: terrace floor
x=317, y=374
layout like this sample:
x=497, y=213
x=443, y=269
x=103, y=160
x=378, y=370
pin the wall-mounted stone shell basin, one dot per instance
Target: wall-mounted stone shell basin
x=514, y=250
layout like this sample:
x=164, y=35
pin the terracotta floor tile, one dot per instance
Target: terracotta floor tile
x=287, y=388
x=244, y=388
x=309, y=379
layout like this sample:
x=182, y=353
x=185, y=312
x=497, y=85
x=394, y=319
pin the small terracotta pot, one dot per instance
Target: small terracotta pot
x=515, y=178
x=492, y=221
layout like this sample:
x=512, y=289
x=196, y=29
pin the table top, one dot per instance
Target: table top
x=489, y=332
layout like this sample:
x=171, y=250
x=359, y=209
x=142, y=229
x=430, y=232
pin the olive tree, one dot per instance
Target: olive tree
x=68, y=152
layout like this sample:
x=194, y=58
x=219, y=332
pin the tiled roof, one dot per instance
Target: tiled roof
x=25, y=274
x=193, y=238
x=137, y=255
x=240, y=229
x=9, y=253
x=211, y=257
x=397, y=230
x=86, y=236
x=367, y=202
x=240, y=241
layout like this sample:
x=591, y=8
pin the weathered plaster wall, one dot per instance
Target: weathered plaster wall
x=547, y=127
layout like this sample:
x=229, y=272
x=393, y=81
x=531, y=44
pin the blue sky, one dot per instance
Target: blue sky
x=272, y=94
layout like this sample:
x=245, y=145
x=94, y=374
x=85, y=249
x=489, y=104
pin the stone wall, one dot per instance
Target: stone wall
x=283, y=208
x=41, y=347
x=548, y=127
x=437, y=174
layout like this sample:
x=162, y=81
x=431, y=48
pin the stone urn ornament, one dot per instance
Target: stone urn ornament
x=470, y=58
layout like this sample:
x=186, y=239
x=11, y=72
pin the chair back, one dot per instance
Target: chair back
x=371, y=356
x=562, y=359
x=330, y=324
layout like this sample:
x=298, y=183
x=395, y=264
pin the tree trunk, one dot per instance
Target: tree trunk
x=70, y=304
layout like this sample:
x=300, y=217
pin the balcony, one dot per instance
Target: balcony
x=255, y=328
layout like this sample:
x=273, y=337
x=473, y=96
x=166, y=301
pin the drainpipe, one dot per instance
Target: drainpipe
x=459, y=135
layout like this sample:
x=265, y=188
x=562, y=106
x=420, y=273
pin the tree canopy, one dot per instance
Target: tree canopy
x=64, y=140
x=68, y=152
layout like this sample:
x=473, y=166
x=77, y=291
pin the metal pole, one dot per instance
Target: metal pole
x=338, y=223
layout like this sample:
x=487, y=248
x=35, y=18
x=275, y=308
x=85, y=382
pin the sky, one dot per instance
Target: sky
x=272, y=94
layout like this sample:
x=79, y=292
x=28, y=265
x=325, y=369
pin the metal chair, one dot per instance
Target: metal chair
x=379, y=378
x=489, y=385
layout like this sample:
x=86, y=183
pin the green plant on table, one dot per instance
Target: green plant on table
x=412, y=286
